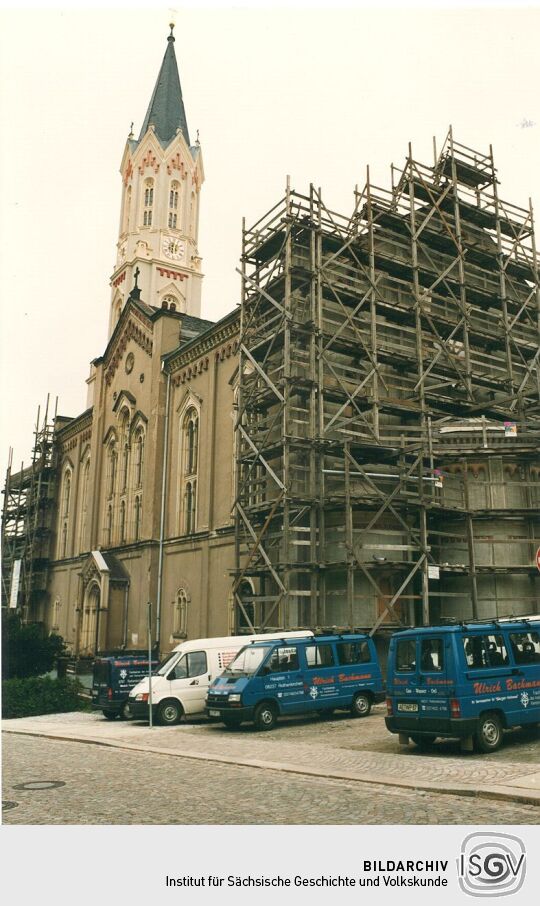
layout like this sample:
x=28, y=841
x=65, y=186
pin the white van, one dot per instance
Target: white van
x=180, y=683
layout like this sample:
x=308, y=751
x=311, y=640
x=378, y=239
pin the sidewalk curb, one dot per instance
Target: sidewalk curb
x=504, y=792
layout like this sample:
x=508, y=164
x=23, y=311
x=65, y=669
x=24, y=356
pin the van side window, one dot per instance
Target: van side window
x=406, y=656
x=191, y=664
x=431, y=655
x=353, y=653
x=485, y=651
x=525, y=647
x=319, y=656
x=284, y=659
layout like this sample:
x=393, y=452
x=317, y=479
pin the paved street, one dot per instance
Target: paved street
x=111, y=786
x=336, y=771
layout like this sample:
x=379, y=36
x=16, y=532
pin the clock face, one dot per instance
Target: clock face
x=173, y=248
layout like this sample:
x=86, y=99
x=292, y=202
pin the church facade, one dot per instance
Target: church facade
x=145, y=474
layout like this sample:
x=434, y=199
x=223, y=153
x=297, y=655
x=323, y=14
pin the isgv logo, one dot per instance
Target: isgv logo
x=491, y=865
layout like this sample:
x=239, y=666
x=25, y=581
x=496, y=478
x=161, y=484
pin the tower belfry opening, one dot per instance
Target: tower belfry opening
x=388, y=418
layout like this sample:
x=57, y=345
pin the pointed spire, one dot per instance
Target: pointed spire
x=166, y=109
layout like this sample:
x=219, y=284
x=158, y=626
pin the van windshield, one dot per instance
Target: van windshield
x=248, y=660
x=165, y=665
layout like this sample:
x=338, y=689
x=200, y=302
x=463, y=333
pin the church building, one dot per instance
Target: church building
x=354, y=446
x=143, y=514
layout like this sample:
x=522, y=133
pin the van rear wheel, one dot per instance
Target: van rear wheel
x=489, y=733
x=265, y=717
x=169, y=713
x=110, y=715
x=125, y=711
x=361, y=705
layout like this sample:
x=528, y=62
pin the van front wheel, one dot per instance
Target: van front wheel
x=265, y=716
x=489, y=733
x=169, y=713
x=361, y=705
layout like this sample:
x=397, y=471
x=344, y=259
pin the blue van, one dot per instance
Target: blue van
x=113, y=679
x=297, y=676
x=469, y=681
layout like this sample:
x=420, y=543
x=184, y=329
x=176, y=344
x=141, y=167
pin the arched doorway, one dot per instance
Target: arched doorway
x=92, y=599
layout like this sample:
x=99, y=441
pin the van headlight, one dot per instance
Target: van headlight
x=235, y=697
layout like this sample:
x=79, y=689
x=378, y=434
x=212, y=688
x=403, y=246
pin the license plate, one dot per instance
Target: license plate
x=407, y=706
x=213, y=713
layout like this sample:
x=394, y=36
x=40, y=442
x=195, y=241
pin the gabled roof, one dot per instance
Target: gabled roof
x=166, y=109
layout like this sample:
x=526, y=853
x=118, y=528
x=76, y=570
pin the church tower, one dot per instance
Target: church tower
x=162, y=174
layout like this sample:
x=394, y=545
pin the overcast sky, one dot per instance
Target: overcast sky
x=315, y=93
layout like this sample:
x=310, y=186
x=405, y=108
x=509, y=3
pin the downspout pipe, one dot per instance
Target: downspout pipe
x=164, y=467
x=125, y=620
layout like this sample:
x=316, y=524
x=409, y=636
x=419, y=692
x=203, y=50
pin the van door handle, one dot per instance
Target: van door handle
x=195, y=682
x=516, y=672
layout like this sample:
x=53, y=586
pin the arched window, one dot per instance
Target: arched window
x=124, y=441
x=139, y=457
x=190, y=505
x=108, y=527
x=191, y=435
x=148, y=202
x=174, y=192
x=122, y=521
x=56, y=615
x=192, y=224
x=64, y=513
x=67, y=494
x=127, y=209
x=169, y=302
x=138, y=515
x=113, y=463
x=189, y=468
x=84, y=503
x=180, y=613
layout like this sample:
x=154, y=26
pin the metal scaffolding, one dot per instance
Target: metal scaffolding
x=27, y=523
x=388, y=417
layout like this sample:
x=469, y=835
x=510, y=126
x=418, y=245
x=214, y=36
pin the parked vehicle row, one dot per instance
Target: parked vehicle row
x=181, y=682
x=469, y=681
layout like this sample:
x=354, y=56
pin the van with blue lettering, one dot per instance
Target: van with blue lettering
x=469, y=681
x=268, y=680
x=113, y=679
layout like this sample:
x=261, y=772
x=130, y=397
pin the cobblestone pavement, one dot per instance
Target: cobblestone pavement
x=113, y=786
x=335, y=745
